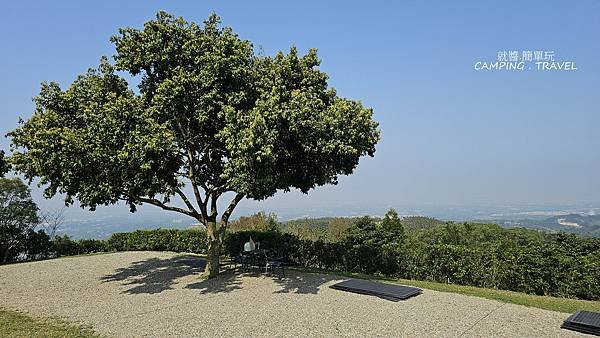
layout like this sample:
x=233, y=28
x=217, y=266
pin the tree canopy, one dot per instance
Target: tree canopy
x=208, y=113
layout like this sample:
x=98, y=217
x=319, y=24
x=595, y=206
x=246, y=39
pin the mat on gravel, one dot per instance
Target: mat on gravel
x=583, y=321
x=382, y=290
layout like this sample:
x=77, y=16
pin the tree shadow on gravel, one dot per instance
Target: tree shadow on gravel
x=226, y=281
x=294, y=282
x=303, y=283
x=155, y=275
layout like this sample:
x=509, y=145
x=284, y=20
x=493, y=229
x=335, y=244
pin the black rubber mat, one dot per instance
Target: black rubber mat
x=382, y=290
x=584, y=321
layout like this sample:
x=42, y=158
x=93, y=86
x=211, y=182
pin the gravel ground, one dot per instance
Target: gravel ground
x=156, y=294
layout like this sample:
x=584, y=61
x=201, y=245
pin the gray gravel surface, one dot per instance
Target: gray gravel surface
x=158, y=294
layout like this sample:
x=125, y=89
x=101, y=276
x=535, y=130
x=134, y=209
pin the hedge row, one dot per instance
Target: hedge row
x=191, y=240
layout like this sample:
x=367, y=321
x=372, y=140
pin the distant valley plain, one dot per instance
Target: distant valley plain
x=582, y=219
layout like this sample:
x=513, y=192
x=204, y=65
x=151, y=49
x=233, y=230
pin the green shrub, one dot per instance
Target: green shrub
x=91, y=246
x=37, y=245
x=257, y=222
x=64, y=246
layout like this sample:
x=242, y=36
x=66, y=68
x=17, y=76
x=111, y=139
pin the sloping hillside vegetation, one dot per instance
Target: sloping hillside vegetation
x=420, y=222
x=580, y=224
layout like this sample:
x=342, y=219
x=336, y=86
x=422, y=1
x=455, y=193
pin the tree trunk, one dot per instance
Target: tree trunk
x=215, y=242
x=216, y=234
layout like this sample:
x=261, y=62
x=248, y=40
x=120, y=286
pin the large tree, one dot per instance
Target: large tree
x=210, y=119
x=18, y=217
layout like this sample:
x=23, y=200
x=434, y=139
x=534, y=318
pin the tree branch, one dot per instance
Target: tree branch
x=201, y=203
x=214, y=196
x=186, y=200
x=229, y=210
x=192, y=177
x=160, y=204
x=191, y=171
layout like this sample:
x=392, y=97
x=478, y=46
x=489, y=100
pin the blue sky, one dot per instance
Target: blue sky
x=450, y=135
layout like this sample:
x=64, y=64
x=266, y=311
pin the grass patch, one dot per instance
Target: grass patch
x=566, y=305
x=17, y=324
